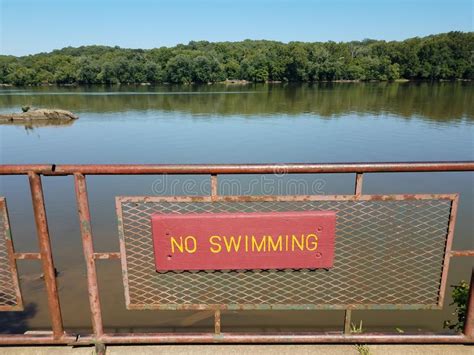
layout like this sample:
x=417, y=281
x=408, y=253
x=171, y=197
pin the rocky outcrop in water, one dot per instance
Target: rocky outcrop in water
x=39, y=114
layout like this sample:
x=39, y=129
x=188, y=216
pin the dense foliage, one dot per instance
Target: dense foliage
x=460, y=295
x=444, y=56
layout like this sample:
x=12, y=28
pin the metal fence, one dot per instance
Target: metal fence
x=403, y=239
x=366, y=225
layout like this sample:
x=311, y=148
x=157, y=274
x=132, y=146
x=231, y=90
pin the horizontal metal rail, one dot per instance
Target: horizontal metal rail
x=234, y=338
x=303, y=168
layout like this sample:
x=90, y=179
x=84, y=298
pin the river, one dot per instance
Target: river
x=343, y=122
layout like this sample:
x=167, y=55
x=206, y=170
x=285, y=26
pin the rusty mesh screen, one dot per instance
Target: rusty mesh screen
x=9, y=290
x=387, y=254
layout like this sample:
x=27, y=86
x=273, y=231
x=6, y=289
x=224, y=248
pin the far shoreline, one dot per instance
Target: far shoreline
x=241, y=83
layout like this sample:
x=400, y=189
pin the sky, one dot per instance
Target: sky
x=33, y=26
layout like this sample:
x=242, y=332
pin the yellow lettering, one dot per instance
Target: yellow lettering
x=216, y=247
x=314, y=243
x=294, y=239
x=232, y=243
x=275, y=246
x=267, y=243
x=186, y=245
x=178, y=245
x=258, y=246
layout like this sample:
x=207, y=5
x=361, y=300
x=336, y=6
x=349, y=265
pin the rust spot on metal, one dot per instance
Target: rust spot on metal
x=217, y=321
x=27, y=256
x=106, y=256
x=462, y=252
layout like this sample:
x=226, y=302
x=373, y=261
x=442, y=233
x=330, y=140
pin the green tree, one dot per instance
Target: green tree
x=207, y=70
x=254, y=69
x=446, y=56
x=88, y=71
x=179, y=70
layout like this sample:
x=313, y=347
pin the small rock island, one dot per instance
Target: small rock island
x=39, y=114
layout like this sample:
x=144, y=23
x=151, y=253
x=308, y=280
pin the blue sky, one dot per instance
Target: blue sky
x=32, y=26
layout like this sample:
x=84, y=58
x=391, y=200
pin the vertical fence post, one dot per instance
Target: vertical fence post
x=214, y=186
x=469, y=322
x=449, y=243
x=49, y=271
x=359, y=180
x=347, y=321
x=88, y=246
x=358, y=184
x=217, y=321
x=214, y=194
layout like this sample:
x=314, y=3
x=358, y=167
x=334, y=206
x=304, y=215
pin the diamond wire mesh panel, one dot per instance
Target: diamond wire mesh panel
x=388, y=254
x=10, y=298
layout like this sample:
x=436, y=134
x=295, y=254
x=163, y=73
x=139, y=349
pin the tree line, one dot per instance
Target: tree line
x=446, y=56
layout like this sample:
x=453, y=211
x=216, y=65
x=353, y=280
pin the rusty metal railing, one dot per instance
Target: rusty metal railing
x=100, y=338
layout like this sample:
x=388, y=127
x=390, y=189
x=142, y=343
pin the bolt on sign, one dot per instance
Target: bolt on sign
x=243, y=241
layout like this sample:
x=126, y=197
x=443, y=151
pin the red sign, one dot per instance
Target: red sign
x=237, y=241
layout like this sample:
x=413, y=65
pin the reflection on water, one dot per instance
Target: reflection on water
x=17, y=322
x=226, y=124
x=441, y=101
x=32, y=124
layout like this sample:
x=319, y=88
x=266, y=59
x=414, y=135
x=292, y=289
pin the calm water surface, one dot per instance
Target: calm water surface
x=225, y=124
